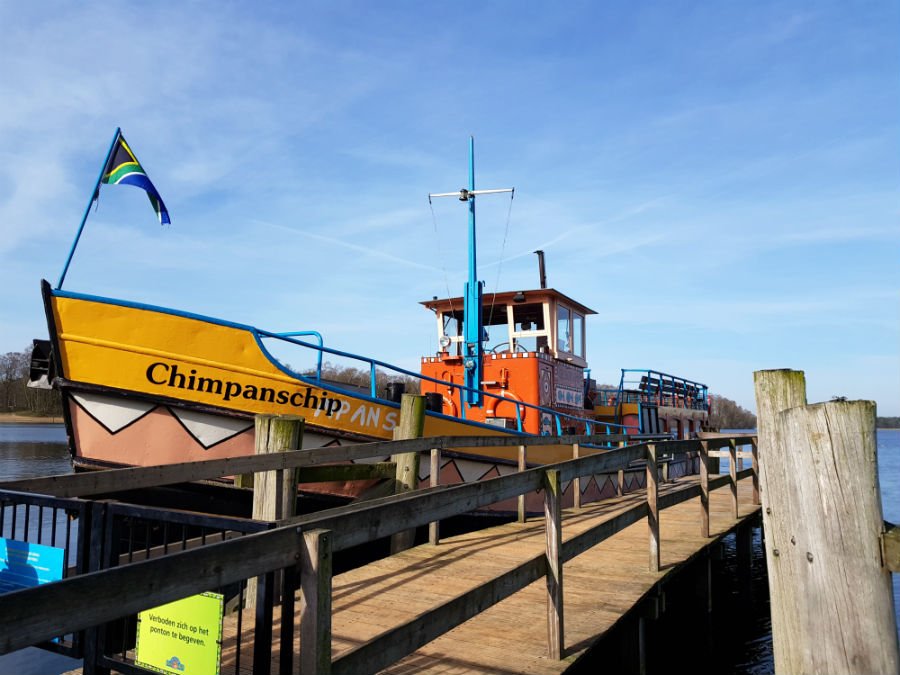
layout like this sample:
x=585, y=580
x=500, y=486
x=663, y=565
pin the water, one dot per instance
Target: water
x=33, y=450
x=28, y=450
x=40, y=449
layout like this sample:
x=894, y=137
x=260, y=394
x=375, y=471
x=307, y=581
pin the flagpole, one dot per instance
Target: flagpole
x=87, y=210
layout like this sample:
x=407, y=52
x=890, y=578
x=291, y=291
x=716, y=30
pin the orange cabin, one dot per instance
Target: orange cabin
x=534, y=353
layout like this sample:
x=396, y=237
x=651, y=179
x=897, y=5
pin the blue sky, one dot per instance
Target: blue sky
x=718, y=180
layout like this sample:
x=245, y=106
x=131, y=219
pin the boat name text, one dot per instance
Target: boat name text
x=163, y=374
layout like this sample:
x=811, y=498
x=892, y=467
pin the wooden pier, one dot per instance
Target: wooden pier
x=601, y=585
x=525, y=597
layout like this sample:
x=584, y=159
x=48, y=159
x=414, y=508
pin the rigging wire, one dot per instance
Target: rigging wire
x=502, y=252
x=441, y=254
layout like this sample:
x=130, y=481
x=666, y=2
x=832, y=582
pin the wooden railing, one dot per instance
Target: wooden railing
x=133, y=478
x=307, y=543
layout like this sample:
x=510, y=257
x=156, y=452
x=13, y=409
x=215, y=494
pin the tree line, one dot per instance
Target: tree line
x=356, y=378
x=726, y=414
x=15, y=396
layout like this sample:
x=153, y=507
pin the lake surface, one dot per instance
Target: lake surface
x=40, y=449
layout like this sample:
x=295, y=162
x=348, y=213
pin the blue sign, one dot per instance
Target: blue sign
x=23, y=564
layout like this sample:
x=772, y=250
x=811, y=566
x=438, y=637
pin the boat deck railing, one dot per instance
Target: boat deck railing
x=562, y=422
x=656, y=388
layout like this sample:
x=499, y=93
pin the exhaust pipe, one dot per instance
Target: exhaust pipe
x=540, y=255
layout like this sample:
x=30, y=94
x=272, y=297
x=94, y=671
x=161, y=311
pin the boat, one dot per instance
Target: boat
x=146, y=385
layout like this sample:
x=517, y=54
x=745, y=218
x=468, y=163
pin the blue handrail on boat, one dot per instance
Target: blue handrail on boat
x=373, y=364
x=654, y=386
x=316, y=334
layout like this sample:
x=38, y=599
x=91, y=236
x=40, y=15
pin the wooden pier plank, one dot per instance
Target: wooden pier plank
x=519, y=621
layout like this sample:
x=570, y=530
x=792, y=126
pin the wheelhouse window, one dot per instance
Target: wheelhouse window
x=577, y=334
x=496, y=330
x=563, y=329
x=569, y=331
x=450, y=336
x=452, y=325
x=529, y=333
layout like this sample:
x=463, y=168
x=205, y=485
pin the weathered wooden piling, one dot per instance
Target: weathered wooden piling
x=274, y=492
x=411, y=425
x=776, y=390
x=832, y=606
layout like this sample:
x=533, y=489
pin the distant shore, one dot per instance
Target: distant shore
x=13, y=418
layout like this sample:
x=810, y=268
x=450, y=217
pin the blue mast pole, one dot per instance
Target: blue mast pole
x=474, y=330
x=87, y=210
x=473, y=326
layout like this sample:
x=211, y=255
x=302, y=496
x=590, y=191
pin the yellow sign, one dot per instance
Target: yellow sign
x=182, y=637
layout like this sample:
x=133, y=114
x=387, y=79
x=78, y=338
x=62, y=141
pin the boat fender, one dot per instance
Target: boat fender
x=505, y=393
x=448, y=403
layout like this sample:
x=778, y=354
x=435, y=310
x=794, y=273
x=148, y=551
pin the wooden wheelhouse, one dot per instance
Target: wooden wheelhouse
x=534, y=355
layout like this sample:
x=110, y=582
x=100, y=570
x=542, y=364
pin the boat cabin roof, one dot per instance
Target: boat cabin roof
x=539, y=295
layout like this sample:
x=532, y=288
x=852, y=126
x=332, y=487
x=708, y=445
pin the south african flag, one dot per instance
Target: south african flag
x=123, y=168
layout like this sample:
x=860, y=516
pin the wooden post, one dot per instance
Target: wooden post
x=553, y=528
x=708, y=573
x=315, y=603
x=653, y=506
x=286, y=656
x=94, y=637
x=620, y=482
x=412, y=424
x=642, y=644
x=827, y=530
x=732, y=472
x=274, y=492
x=776, y=390
x=754, y=449
x=576, y=482
x=522, y=466
x=704, y=489
x=744, y=554
x=262, y=623
x=434, y=479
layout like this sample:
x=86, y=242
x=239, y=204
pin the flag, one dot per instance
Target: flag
x=123, y=168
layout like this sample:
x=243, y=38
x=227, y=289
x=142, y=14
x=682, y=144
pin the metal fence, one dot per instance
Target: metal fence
x=50, y=521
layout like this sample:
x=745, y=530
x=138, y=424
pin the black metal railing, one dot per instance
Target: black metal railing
x=56, y=522
x=134, y=533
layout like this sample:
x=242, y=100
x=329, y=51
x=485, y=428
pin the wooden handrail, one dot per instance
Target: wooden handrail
x=131, y=478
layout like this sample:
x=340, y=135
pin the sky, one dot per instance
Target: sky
x=717, y=180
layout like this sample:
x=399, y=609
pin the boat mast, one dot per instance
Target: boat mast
x=473, y=328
